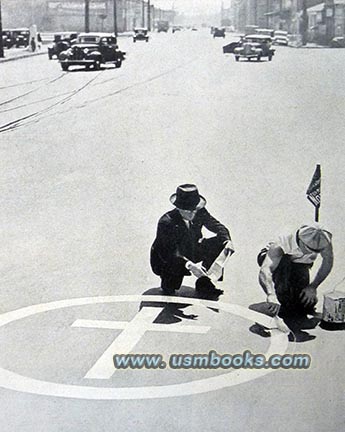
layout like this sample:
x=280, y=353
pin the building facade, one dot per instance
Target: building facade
x=305, y=20
x=67, y=15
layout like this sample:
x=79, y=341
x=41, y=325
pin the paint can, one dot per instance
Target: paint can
x=334, y=307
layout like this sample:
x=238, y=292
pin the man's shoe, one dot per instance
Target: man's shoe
x=205, y=286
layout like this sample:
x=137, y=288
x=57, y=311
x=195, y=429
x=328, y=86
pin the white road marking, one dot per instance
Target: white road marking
x=13, y=381
x=120, y=325
x=127, y=340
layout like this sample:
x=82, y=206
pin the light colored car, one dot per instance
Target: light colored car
x=281, y=37
x=264, y=32
x=254, y=47
x=140, y=34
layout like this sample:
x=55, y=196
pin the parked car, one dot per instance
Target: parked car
x=176, y=28
x=229, y=48
x=92, y=50
x=162, y=26
x=219, y=32
x=62, y=41
x=250, y=29
x=8, y=39
x=22, y=37
x=281, y=37
x=265, y=32
x=254, y=46
x=140, y=34
x=338, y=42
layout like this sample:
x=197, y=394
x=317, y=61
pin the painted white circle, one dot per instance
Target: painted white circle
x=14, y=381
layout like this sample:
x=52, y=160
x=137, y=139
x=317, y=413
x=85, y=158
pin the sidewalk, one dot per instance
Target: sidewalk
x=309, y=45
x=19, y=53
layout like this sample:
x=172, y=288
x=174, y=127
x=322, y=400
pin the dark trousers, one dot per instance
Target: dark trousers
x=289, y=280
x=206, y=251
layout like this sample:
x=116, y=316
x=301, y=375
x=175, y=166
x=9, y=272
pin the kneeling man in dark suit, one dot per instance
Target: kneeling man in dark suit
x=180, y=249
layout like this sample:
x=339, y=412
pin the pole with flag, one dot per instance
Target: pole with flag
x=314, y=191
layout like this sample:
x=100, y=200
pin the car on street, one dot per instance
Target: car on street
x=219, y=32
x=8, y=39
x=264, y=32
x=250, y=29
x=162, y=26
x=176, y=28
x=281, y=37
x=140, y=34
x=62, y=41
x=22, y=36
x=338, y=42
x=254, y=47
x=92, y=50
x=229, y=48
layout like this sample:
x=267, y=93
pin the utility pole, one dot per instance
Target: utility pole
x=330, y=28
x=87, y=16
x=1, y=40
x=148, y=15
x=143, y=13
x=304, y=23
x=115, y=16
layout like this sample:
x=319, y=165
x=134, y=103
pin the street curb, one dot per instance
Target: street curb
x=309, y=47
x=21, y=56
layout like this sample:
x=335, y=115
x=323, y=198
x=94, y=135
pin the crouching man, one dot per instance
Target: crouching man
x=179, y=248
x=285, y=270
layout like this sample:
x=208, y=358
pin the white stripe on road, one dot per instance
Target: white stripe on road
x=17, y=382
x=120, y=325
x=124, y=343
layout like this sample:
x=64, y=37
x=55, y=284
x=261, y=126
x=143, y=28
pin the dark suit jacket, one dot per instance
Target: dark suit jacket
x=175, y=243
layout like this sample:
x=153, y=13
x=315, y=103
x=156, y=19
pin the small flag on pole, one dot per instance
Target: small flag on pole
x=314, y=191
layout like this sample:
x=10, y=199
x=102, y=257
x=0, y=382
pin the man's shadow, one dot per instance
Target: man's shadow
x=297, y=324
x=172, y=313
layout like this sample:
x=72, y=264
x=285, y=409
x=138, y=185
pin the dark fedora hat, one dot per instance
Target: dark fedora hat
x=187, y=197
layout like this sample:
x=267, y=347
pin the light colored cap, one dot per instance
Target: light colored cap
x=315, y=237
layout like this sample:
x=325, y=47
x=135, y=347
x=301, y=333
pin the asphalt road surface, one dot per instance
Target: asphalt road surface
x=88, y=162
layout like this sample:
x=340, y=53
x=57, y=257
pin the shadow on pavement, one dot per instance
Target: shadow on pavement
x=296, y=323
x=173, y=313
x=332, y=326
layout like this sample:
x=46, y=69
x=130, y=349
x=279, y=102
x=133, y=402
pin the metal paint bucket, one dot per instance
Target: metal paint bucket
x=334, y=307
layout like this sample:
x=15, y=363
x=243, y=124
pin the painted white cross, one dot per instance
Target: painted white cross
x=132, y=332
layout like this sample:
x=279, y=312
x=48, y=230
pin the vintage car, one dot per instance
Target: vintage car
x=219, y=32
x=229, y=48
x=22, y=37
x=264, y=32
x=176, y=28
x=254, y=46
x=281, y=37
x=338, y=42
x=62, y=41
x=163, y=26
x=140, y=34
x=8, y=39
x=92, y=50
